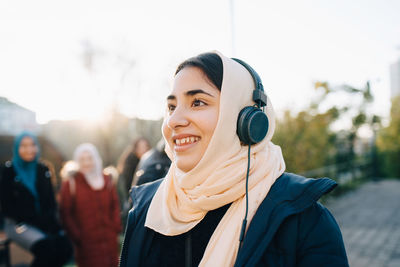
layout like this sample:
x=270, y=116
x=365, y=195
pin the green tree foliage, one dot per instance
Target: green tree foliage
x=388, y=142
x=307, y=139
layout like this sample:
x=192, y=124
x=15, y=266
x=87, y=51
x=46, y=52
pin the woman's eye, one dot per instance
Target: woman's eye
x=170, y=108
x=197, y=103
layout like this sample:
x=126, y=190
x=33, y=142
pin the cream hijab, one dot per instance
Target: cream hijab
x=93, y=177
x=183, y=199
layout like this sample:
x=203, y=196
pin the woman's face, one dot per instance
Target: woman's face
x=27, y=149
x=192, y=114
x=86, y=162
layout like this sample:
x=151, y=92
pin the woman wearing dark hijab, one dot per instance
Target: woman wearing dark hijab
x=29, y=206
x=226, y=199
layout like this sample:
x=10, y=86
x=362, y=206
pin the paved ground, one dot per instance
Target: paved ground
x=370, y=222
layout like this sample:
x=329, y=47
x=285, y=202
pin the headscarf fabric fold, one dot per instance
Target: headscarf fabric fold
x=183, y=199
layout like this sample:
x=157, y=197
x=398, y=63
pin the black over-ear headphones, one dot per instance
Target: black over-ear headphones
x=252, y=124
x=252, y=127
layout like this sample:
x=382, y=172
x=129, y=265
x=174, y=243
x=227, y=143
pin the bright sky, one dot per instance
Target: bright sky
x=138, y=44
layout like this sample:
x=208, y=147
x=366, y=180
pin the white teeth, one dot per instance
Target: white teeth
x=187, y=140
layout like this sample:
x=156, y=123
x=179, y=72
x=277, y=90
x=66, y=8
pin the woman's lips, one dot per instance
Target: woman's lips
x=184, y=142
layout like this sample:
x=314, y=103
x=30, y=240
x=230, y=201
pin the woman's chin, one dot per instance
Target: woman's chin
x=185, y=166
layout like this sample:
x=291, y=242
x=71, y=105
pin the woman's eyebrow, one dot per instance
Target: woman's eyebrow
x=197, y=91
x=190, y=93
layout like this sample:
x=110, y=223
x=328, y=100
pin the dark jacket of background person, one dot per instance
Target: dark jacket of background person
x=290, y=228
x=124, y=184
x=128, y=171
x=128, y=164
x=153, y=165
x=18, y=203
x=92, y=220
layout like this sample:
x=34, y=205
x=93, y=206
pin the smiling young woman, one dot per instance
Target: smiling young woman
x=193, y=217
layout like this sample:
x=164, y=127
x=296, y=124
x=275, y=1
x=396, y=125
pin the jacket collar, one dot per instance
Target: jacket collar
x=290, y=194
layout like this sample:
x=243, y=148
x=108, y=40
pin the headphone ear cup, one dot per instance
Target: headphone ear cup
x=252, y=125
x=242, y=127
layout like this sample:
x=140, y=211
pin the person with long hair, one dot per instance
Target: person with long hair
x=226, y=199
x=127, y=165
x=128, y=162
x=90, y=211
x=28, y=203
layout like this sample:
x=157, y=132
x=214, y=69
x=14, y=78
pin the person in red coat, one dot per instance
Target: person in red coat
x=90, y=211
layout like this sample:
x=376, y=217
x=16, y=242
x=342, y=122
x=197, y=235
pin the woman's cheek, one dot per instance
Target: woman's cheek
x=166, y=131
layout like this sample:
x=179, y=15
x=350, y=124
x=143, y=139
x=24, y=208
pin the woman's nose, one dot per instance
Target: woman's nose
x=178, y=118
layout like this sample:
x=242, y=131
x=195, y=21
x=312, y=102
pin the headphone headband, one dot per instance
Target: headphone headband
x=259, y=97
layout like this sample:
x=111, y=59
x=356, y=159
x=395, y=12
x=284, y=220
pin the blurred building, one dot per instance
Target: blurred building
x=15, y=119
x=395, y=79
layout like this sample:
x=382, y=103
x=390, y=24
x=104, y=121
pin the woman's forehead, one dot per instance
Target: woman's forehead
x=85, y=153
x=27, y=140
x=191, y=78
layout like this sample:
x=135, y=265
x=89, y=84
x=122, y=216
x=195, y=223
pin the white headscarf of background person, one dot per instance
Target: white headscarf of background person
x=93, y=177
x=183, y=199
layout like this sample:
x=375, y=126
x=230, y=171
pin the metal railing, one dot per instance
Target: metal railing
x=346, y=171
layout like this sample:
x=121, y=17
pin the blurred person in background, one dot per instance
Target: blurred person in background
x=127, y=165
x=226, y=199
x=90, y=211
x=28, y=203
x=153, y=165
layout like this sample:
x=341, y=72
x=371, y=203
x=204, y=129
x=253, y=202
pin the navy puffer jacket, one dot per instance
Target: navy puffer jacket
x=290, y=228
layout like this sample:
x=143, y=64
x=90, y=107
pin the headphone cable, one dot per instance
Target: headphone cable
x=244, y=223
